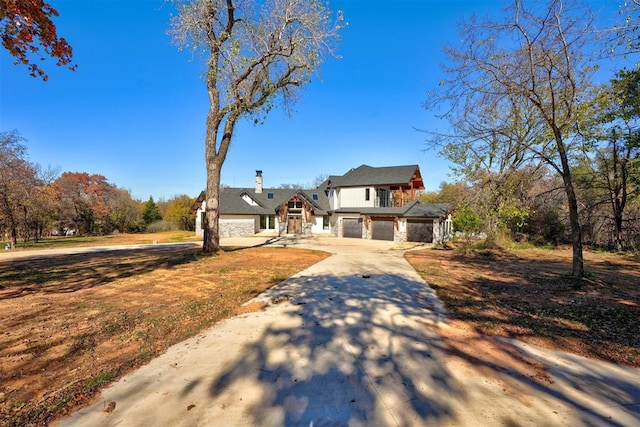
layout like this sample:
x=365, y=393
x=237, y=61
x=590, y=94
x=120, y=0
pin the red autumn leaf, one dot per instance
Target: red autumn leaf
x=26, y=29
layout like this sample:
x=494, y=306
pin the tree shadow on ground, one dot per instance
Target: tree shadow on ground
x=363, y=351
x=73, y=272
x=369, y=364
x=342, y=349
x=532, y=300
x=277, y=241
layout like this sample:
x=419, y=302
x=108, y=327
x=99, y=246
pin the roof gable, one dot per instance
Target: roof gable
x=243, y=201
x=365, y=175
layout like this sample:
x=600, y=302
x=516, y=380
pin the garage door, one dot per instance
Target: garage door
x=352, y=227
x=382, y=229
x=420, y=231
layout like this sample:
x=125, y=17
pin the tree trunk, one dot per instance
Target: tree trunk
x=214, y=160
x=211, y=243
x=577, y=269
x=12, y=221
x=617, y=215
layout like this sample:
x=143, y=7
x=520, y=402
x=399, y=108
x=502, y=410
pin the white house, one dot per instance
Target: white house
x=366, y=202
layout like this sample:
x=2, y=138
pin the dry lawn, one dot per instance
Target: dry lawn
x=527, y=295
x=72, y=324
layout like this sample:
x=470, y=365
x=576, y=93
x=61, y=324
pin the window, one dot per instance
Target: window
x=367, y=194
x=203, y=219
x=325, y=222
x=315, y=196
x=269, y=195
x=267, y=222
x=295, y=205
x=382, y=198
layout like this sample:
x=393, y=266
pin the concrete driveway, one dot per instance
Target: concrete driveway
x=349, y=342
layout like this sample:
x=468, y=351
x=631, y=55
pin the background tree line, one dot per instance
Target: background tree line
x=37, y=202
x=523, y=198
x=544, y=151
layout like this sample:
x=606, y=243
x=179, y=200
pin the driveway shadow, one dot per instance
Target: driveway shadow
x=349, y=351
x=354, y=350
x=338, y=349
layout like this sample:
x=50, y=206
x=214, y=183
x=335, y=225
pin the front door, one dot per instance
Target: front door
x=294, y=225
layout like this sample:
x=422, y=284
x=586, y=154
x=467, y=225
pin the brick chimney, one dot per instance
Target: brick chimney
x=258, y=182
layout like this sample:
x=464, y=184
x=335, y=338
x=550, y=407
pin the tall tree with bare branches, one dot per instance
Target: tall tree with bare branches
x=256, y=53
x=531, y=62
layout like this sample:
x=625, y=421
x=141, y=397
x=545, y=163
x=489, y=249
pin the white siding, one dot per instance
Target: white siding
x=334, y=199
x=316, y=226
x=355, y=197
x=235, y=218
x=199, y=228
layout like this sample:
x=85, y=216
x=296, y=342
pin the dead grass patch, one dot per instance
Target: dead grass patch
x=74, y=323
x=528, y=295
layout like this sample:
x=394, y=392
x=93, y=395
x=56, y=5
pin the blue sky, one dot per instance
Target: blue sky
x=134, y=111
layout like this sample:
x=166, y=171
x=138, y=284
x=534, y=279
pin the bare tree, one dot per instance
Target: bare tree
x=487, y=146
x=319, y=180
x=535, y=59
x=256, y=53
x=624, y=38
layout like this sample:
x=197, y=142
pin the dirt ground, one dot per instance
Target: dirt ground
x=528, y=295
x=74, y=323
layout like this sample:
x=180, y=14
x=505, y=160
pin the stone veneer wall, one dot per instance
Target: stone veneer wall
x=236, y=228
x=306, y=228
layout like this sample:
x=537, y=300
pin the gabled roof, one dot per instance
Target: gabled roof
x=232, y=202
x=365, y=175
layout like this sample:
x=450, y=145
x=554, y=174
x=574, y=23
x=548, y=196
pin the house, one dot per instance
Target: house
x=367, y=203
x=267, y=211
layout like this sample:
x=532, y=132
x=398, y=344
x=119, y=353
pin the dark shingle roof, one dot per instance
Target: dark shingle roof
x=383, y=211
x=367, y=176
x=414, y=209
x=232, y=202
x=431, y=210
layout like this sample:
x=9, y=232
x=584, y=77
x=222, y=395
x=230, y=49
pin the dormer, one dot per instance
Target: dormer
x=247, y=198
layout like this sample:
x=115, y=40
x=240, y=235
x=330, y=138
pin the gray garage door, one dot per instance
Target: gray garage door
x=382, y=229
x=352, y=227
x=420, y=231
